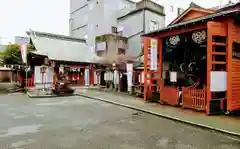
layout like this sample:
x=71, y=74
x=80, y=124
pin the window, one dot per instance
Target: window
x=114, y=29
x=153, y=25
x=121, y=51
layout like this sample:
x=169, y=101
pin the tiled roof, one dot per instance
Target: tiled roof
x=62, y=48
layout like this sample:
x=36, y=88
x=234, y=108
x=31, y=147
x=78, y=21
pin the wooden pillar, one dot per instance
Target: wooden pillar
x=54, y=78
x=91, y=74
x=229, y=64
x=209, y=68
x=160, y=63
x=146, y=53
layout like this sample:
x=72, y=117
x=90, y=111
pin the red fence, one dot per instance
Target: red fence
x=169, y=95
x=194, y=98
x=30, y=81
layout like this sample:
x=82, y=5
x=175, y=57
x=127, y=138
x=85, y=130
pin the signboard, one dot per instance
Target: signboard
x=153, y=55
x=218, y=81
x=101, y=46
x=24, y=52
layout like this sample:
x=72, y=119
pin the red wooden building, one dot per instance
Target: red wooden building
x=200, y=50
x=61, y=51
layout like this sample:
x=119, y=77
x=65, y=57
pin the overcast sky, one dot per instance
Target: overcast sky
x=17, y=16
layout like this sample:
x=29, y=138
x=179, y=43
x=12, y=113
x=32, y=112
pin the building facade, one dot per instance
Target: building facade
x=92, y=18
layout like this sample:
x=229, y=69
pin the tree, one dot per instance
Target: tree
x=12, y=54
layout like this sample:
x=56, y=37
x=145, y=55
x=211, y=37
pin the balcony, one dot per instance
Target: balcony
x=109, y=44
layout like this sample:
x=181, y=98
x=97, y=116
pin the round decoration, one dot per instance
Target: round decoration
x=173, y=41
x=199, y=37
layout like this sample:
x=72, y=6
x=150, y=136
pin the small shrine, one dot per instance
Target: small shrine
x=193, y=62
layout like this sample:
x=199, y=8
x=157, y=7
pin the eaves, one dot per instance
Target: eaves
x=140, y=10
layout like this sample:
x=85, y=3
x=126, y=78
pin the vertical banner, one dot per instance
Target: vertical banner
x=95, y=77
x=24, y=52
x=115, y=77
x=129, y=75
x=86, y=77
x=153, y=54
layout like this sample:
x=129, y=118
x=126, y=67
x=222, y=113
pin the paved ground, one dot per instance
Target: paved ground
x=80, y=123
x=221, y=123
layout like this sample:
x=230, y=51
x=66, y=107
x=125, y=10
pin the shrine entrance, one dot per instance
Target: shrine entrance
x=184, y=58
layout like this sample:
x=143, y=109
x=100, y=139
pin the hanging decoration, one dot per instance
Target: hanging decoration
x=199, y=37
x=172, y=42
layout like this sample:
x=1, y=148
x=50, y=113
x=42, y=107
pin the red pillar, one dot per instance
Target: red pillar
x=91, y=71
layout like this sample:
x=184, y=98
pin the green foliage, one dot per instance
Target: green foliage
x=12, y=54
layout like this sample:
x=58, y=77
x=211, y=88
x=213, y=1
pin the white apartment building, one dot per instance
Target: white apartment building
x=91, y=18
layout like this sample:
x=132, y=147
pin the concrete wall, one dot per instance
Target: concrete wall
x=132, y=24
x=97, y=18
x=5, y=75
x=151, y=16
x=76, y=4
x=132, y=28
x=134, y=45
x=135, y=25
x=98, y=15
x=113, y=46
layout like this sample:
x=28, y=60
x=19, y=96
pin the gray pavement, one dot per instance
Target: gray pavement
x=81, y=123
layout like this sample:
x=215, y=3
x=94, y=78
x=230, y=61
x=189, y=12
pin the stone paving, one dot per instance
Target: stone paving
x=81, y=123
x=226, y=124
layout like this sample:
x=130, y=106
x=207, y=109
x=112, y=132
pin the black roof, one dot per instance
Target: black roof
x=196, y=20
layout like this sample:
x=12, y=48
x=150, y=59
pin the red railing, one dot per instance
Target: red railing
x=194, y=98
x=169, y=95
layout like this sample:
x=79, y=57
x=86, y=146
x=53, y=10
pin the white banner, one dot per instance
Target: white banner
x=87, y=76
x=153, y=59
x=129, y=76
x=24, y=52
x=129, y=67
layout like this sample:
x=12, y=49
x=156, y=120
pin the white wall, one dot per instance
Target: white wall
x=75, y=4
x=80, y=17
x=132, y=24
x=79, y=33
x=150, y=16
